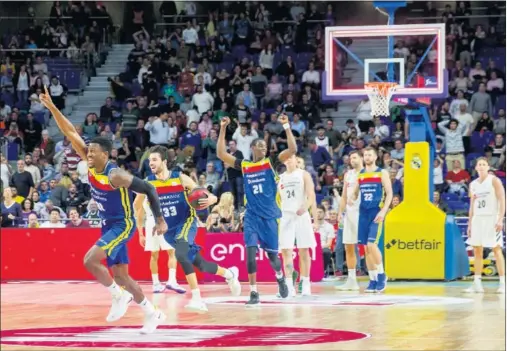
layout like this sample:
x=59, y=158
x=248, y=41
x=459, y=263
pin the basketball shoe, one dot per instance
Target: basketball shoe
x=476, y=286
x=372, y=287
x=174, y=286
x=119, y=306
x=158, y=288
x=196, y=305
x=233, y=282
x=254, y=300
x=501, y=289
x=283, y=289
x=152, y=321
x=381, y=283
x=350, y=285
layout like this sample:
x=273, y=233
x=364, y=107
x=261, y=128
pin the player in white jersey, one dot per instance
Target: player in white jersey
x=297, y=194
x=155, y=244
x=350, y=220
x=485, y=226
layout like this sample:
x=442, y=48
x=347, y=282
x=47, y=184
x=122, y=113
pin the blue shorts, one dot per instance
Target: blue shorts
x=184, y=232
x=368, y=231
x=262, y=231
x=114, y=239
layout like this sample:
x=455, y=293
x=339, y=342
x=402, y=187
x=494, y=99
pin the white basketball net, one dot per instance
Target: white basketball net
x=380, y=94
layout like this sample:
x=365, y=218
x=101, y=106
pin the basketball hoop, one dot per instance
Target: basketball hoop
x=380, y=94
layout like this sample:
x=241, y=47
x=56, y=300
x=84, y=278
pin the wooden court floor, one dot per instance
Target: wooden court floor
x=409, y=316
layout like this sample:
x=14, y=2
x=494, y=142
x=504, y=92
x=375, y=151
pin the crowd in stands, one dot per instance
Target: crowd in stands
x=251, y=62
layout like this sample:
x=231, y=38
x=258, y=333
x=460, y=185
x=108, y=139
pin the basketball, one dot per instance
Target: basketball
x=196, y=195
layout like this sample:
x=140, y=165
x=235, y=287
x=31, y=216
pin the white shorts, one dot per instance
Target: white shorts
x=350, y=226
x=154, y=243
x=483, y=233
x=296, y=229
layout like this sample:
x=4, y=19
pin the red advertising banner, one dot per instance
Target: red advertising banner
x=228, y=249
x=57, y=254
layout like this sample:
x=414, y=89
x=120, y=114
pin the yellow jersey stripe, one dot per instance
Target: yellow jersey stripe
x=379, y=233
x=128, y=221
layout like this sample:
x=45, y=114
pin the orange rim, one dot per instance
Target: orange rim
x=381, y=87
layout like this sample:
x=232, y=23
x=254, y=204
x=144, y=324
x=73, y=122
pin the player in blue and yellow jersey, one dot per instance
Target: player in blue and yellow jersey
x=375, y=190
x=262, y=204
x=172, y=188
x=112, y=189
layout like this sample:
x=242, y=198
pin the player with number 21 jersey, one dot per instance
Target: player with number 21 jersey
x=260, y=225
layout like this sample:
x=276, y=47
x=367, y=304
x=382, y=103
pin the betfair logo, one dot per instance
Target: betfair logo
x=418, y=244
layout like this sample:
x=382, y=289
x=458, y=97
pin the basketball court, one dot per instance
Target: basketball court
x=411, y=316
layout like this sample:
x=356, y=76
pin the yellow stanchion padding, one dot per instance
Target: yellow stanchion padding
x=414, y=237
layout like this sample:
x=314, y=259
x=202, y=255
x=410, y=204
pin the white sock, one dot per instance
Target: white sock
x=502, y=280
x=228, y=274
x=196, y=294
x=380, y=268
x=172, y=276
x=155, y=279
x=304, y=280
x=253, y=287
x=373, y=274
x=147, y=306
x=114, y=289
x=477, y=279
x=289, y=282
x=279, y=275
x=352, y=274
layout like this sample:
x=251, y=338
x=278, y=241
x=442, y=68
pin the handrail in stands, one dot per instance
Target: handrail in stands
x=454, y=17
x=478, y=8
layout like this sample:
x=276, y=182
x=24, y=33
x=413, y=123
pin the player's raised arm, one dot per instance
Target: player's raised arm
x=388, y=189
x=500, y=196
x=64, y=124
x=119, y=178
x=190, y=185
x=222, y=148
x=292, y=147
x=140, y=216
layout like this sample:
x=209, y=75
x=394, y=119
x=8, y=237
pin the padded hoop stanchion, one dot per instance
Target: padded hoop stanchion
x=380, y=94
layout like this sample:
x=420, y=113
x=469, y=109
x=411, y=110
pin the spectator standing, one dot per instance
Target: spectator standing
x=202, y=100
x=22, y=180
x=364, y=117
x=327, y=234
x=243, y=138
x=320, y=157
x=33, y=170
x=11, y=210
x=192, y=138
x=454, y=147
x=5, y=171
x=235, y=176
x=480, y=103
x=32, y=132
x=159, y=129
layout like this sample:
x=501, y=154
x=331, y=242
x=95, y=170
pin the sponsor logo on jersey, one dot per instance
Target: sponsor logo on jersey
x=174, y=336
x=344, y=300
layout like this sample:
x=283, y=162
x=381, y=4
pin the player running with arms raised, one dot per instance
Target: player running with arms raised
x=487, y=211
x=112, y=189
x=172, y=188
x=375, y=191
x=262, y=209
x=297, y=193
x=351, y=219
